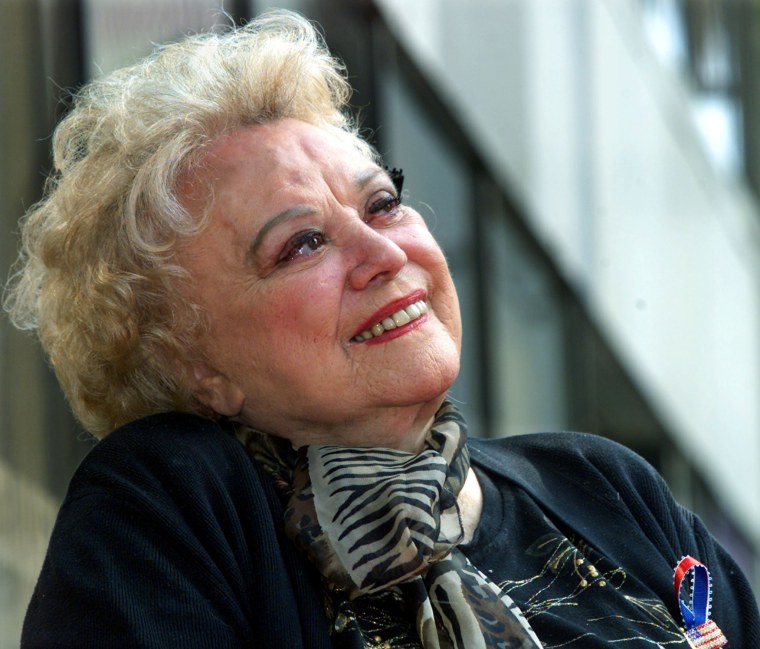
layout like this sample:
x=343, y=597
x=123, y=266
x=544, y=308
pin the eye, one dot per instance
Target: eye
x=387, y=205
x=303, y=244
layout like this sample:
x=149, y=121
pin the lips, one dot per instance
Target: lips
x=395, y=315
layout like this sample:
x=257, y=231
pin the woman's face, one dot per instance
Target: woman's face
x=308, y=250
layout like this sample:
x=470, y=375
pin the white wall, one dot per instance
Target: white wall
x=595, y=136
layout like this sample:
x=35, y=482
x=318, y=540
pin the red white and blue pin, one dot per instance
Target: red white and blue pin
x=700, y=630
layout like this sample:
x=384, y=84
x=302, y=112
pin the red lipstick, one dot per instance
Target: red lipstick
x=391, y=308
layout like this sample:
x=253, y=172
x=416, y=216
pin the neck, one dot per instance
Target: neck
x=403, y=429
x=470, y=501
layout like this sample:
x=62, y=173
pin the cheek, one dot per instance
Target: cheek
x=445, y=299
x=422, y=244
x=422, y=249
x=307, y=308
x=429, y=256
x=447, y=309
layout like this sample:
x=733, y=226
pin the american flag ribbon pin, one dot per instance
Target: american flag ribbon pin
x=699, y=629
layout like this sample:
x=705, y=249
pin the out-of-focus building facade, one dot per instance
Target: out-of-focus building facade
x=591, y=168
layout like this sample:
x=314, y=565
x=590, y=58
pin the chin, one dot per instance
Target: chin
x=435, y=384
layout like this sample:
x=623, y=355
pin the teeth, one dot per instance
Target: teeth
x=401, y=318
x=398, y=319
x=388, y=324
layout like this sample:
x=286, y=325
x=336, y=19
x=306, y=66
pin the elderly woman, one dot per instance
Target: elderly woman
x=235, y=299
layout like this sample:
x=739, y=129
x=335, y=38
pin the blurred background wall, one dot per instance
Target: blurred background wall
x=591, y=167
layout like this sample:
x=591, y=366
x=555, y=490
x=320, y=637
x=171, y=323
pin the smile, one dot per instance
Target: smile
x=393, y=321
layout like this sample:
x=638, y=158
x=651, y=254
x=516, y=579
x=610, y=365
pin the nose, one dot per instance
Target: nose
x=374, y=257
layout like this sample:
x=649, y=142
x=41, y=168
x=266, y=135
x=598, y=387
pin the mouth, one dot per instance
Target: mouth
x=402, y=318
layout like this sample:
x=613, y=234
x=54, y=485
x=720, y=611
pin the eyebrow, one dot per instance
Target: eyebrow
x=286, y=215
x=361, y=180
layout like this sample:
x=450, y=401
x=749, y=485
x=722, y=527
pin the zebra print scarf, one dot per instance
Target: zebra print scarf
x=375, y=520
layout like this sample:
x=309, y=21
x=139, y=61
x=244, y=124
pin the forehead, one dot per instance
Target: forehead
x=256, y=172
x=285, y=147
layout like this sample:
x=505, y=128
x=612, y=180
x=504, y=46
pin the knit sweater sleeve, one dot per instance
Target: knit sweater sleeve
x=166, y=539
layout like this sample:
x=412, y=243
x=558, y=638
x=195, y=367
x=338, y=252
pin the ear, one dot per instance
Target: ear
x=216, y=391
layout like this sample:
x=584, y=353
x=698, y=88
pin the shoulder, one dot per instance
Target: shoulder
x=597, y=487
x=175, y=487
x=168, y=461
x=171, y=504
x=566, y=470
x=581, y=458
x=607, y=493
x=157, y=435
x=566, y=443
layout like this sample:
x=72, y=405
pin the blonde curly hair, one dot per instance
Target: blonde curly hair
x=96, y=276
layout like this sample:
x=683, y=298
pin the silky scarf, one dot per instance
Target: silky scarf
x=376, y=521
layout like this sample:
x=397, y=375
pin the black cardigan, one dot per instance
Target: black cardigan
x=170, y=536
